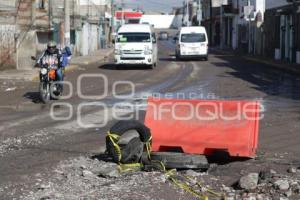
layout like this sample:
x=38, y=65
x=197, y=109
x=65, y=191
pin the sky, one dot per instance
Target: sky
x=152, y=5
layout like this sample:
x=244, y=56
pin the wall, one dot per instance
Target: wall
x=159, y=21
x=7, y=46
x=26, y=48
x=177, y=22
x=89, y=39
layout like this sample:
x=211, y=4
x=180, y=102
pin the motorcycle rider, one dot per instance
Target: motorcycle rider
x=56, y=55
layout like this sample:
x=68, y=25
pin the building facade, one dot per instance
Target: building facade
x=282, y=30
x=30, y=24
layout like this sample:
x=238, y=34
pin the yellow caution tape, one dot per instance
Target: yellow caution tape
x=148, y=147
x=123, y=168
x=114, y=138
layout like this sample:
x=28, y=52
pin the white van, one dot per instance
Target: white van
x=192, y=42
x=136, y=44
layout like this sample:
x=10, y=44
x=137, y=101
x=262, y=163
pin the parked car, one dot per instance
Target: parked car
x=192, y=42
x=136, y=44
x=163, y=36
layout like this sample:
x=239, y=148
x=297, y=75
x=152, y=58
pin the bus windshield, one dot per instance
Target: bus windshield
x=134, y=37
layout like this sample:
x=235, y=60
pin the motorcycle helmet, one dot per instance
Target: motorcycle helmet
x=51, y=47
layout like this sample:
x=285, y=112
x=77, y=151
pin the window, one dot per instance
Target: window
x=134, y=37
x=73, y=37
x=41, y=4
x=193, y=37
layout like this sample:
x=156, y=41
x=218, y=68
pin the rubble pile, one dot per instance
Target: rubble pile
x=267, y=185
x=86, y=178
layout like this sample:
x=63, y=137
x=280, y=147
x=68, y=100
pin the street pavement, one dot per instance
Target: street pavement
x=32, y=143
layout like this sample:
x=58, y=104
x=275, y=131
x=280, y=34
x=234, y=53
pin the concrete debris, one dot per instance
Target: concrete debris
x=282, y=184
x=288, y=193
x=43, y=187
x=292, y=170
x=249, y=182
x=109, y=172
x=10, y=89
x=87, y=173
x=283, y=198
x=266, y=175
x=85, y=178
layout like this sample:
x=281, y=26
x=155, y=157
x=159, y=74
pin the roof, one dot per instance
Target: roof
x=196, y=29
x=137, y=28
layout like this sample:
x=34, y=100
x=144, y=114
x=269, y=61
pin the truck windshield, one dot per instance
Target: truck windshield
x=193, y=37
x=134, y=37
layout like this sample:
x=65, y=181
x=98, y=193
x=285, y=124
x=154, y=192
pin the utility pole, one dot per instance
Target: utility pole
x=123, y=14
x=295, y=20
x=50, y=13
x=67, y=23
x=211, y=23
x=249, y=24
x=221, y=26
x=187, y=13
x=113, y=16
x=33, y=12
x=200, y=12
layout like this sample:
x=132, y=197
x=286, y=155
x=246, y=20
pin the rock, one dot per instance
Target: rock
x=273, y=171
x=226, y=189
x=83, y=167
x=230, y=198
x=109, y=173
x=231, y=194
x=87, y=173
x=282, y=184
x=45, y=198
x=296, y=189
x=288, y=193
x=265, y=175
x=249, y=182
x=292, y=170
x=260, y=197
x=43, y=187
x=192, y=173
x=283, y=198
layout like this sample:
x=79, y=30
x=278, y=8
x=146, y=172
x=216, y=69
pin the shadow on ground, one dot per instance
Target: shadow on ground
x=264, y=77
x=111, y=66
x=33, y=96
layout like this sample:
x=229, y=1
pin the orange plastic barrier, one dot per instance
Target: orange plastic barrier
x=204, y=126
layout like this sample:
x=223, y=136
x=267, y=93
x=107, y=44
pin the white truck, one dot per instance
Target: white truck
x=192, y=42
x=136, y=44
